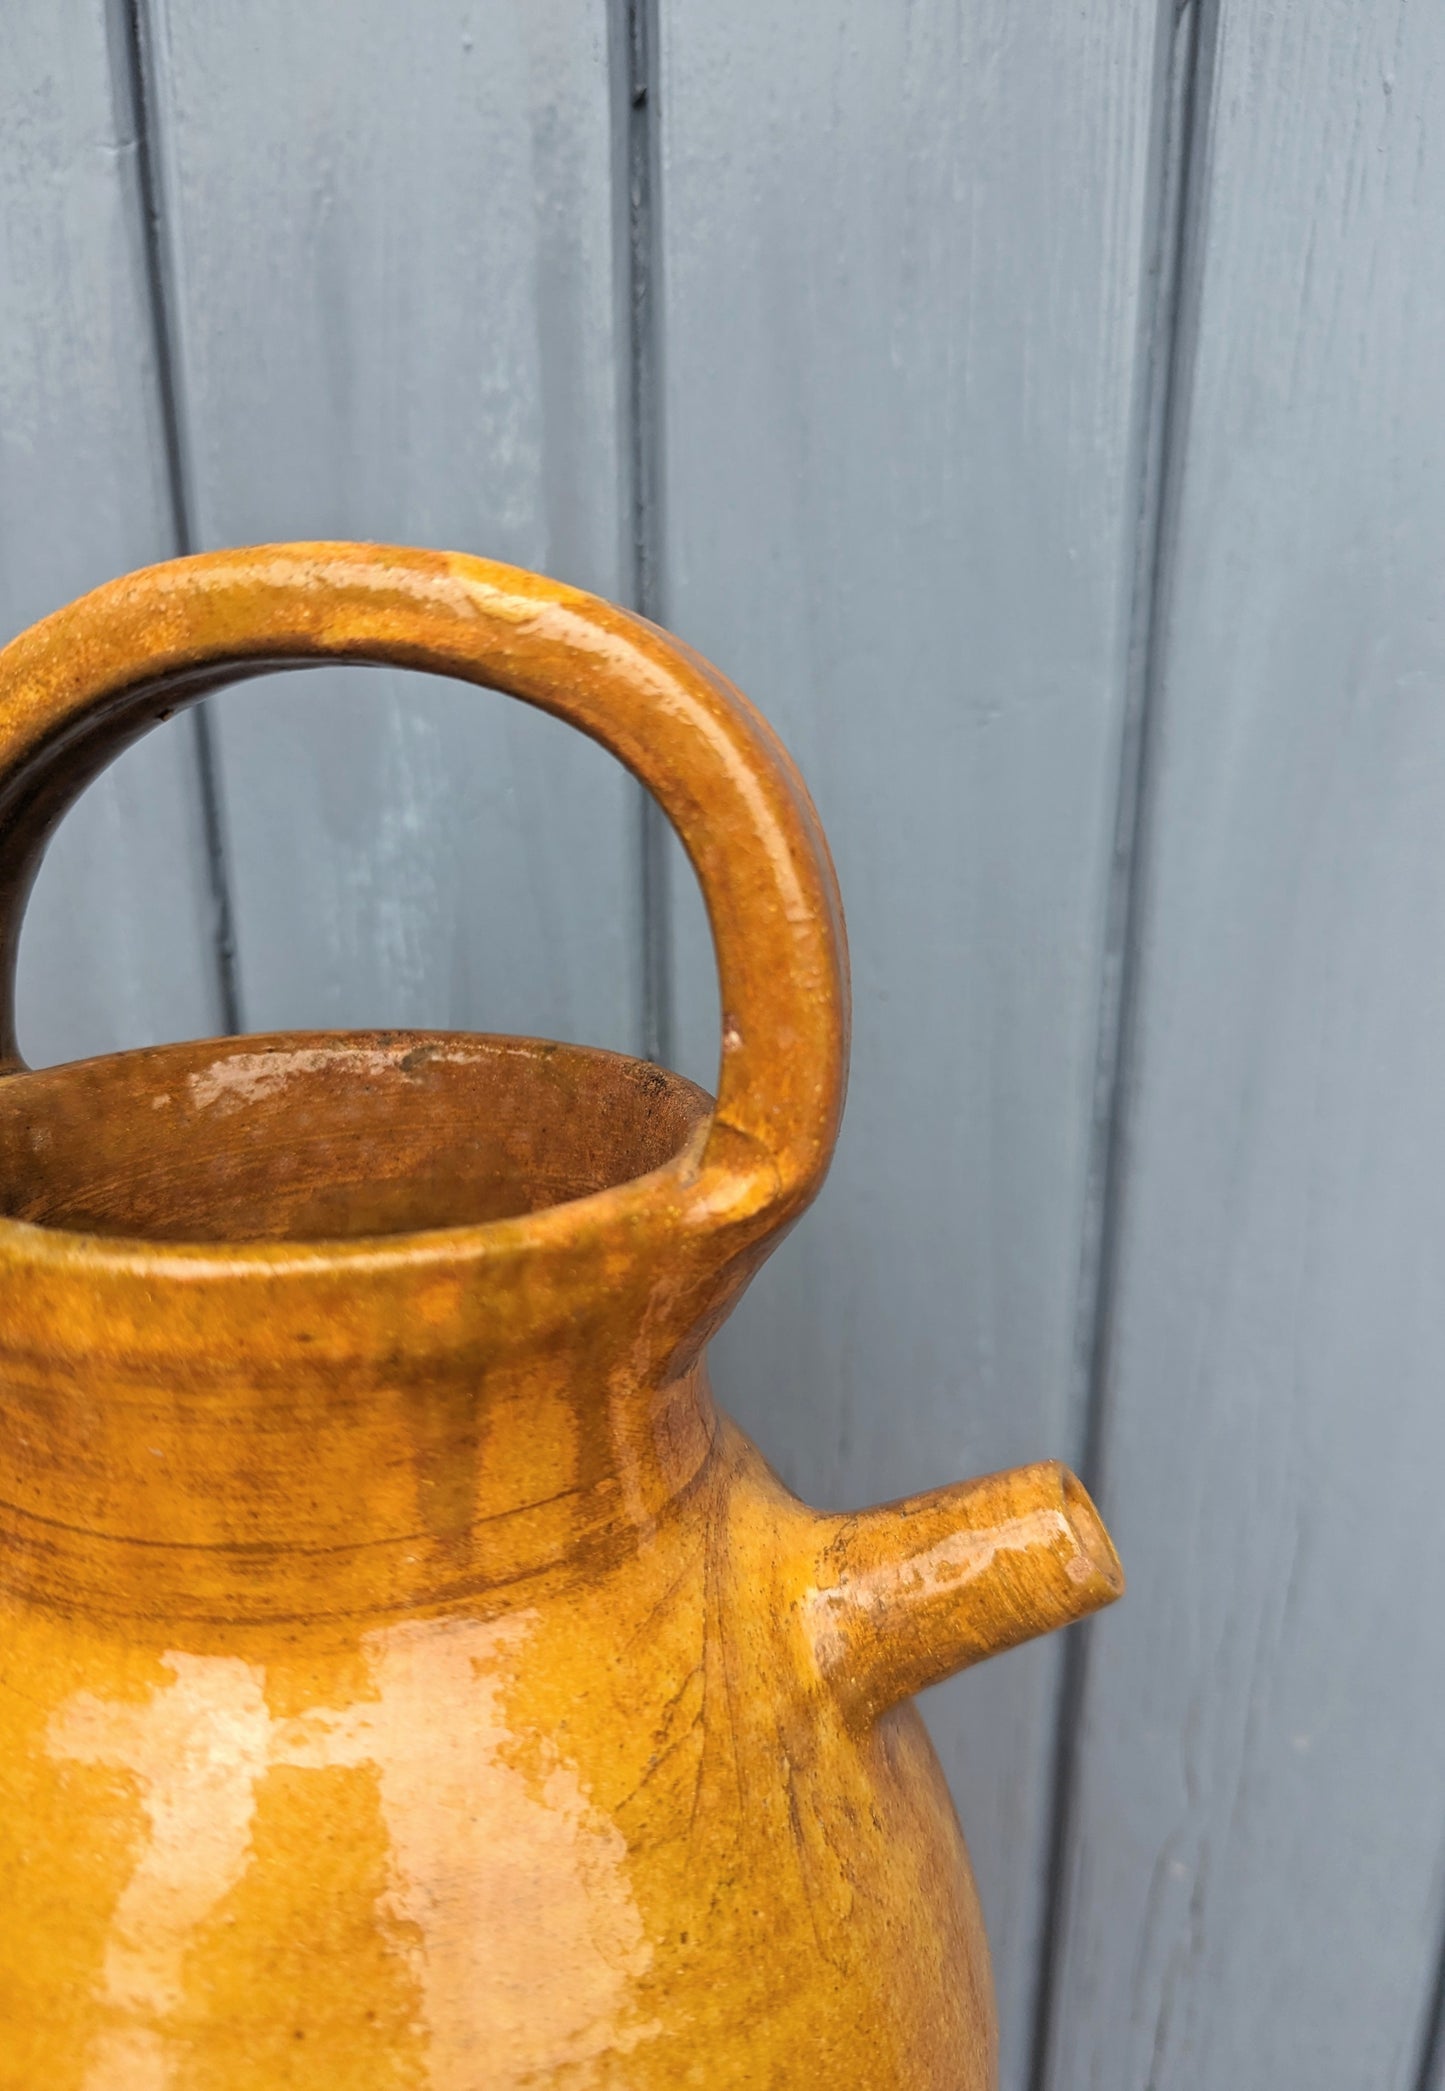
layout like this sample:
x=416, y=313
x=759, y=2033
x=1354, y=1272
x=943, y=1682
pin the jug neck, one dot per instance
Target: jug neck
x=317, y=1495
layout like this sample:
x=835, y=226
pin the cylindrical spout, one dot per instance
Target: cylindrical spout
x=905, y=1595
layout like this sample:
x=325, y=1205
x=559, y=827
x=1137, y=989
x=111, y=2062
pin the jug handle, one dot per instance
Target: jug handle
x=78, y=687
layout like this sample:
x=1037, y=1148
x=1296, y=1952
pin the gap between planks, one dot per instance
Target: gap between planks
x=633, y=28
x=133, y=45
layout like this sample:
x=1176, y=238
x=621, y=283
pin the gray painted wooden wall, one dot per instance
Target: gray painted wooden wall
x=1040, y=411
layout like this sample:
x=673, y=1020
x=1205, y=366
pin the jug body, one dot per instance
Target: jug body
x=601, y=1828
x=407, y=1677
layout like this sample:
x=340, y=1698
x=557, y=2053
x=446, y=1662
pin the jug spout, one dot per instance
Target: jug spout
x=903, y=1596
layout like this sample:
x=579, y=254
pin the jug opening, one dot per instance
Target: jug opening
x=325, y=1136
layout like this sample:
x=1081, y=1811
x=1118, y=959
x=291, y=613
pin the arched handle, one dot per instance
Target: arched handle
x=76, y=688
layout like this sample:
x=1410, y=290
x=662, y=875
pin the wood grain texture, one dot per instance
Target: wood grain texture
x=902, y=260
x=119, y=950
x=391, y=250
x=1258, y=1859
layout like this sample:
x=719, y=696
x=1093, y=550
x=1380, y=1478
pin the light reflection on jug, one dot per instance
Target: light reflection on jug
x=508, y=1897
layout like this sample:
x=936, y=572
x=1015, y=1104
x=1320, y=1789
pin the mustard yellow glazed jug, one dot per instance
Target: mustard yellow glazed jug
x=408, y=1680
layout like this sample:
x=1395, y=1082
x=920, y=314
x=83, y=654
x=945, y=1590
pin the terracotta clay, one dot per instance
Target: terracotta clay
x=407, y=1677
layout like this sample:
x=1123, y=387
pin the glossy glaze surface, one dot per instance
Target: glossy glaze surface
x=407, y=1678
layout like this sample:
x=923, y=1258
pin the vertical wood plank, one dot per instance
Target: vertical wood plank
x=1257, y=1860
x=390, y=237
x=117, y=949
x=903, y=274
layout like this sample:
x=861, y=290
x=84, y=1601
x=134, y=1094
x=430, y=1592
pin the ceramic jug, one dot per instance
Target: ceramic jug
x=409, y=1680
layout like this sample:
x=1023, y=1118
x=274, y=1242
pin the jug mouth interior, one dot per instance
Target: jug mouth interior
x=327, y=1136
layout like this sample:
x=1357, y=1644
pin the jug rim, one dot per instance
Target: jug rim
x=679, y=1190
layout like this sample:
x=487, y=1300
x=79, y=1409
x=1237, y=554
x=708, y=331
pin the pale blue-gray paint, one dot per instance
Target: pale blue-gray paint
x=1255, y=1855
x=390, y=240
